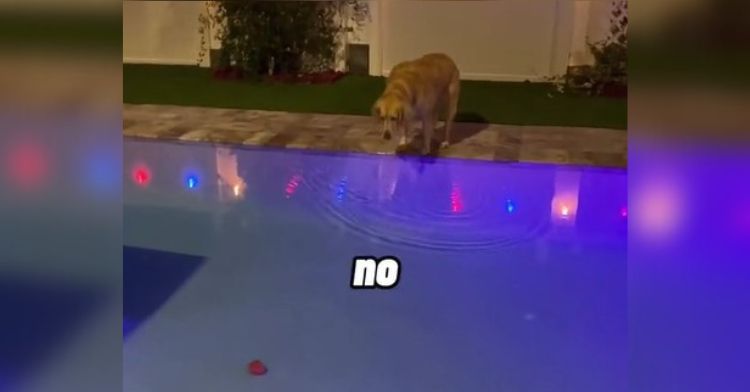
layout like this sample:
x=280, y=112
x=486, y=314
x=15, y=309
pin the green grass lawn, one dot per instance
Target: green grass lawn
x=495, y=102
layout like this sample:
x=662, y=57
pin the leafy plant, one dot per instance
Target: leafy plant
x=610, y=55
x=609, y=74
x=204, y=29
x=270, y=37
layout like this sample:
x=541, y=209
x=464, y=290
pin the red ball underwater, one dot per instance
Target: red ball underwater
x=257, y=368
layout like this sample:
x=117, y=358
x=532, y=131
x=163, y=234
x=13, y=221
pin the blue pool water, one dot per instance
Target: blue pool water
x=513, y=276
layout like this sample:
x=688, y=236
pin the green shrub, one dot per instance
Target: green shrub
x=611, y=55
x=609, y=74
x=269, y=37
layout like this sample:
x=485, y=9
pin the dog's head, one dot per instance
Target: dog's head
x=391, y=111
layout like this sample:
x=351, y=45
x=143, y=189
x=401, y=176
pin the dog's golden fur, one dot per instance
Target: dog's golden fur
x=420, y=90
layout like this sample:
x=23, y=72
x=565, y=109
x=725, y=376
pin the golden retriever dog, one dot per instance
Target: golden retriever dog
x=419, y=90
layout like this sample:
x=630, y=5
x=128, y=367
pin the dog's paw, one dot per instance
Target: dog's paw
x=402, y=149
x=444, y=145
x=386, y=136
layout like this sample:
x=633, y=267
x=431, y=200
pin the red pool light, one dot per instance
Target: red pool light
x=292, y=185
x=141, y=175
x=457, y=204
x=28, y=164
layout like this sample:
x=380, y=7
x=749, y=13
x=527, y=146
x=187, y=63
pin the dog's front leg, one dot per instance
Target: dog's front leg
x=405, y=132
x=429, y=128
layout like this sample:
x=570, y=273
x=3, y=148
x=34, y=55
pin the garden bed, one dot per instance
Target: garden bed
x=494, y=102
x=325, y=77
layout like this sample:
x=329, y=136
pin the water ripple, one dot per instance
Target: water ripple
x=424, y=214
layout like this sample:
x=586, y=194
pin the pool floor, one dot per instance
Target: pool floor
x=513, y=276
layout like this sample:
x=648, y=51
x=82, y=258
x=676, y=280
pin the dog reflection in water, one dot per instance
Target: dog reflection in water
x=392, y=172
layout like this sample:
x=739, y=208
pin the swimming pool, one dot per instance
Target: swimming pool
x=513, y=276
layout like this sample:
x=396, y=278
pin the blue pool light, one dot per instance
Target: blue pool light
x=510, y=206
x=191, y=182
x=100, y=172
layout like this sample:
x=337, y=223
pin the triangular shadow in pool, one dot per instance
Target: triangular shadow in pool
x=150, y=278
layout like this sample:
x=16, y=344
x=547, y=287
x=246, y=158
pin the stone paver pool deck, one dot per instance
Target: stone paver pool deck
x=335, y=132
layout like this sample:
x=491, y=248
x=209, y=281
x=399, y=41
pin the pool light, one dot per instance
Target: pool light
x=564, y=211
x=191, y=182
x=141, y=175
x=28, y=164
x=292, y=185
x=510, y=206
x=457, y=204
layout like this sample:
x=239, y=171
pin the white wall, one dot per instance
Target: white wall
x=492, y=40
x=591, y=25
x=367, y=34
x=497, y=40
x=579, y=53
x=162, y=32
